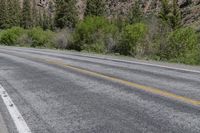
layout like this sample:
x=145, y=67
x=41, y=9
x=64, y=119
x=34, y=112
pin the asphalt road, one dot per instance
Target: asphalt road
x=68, y=92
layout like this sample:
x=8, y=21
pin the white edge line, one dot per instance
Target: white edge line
x=19, y=121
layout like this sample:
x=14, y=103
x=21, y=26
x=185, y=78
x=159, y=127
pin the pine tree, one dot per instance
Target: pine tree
x=3, y=14
x=135, y=15
x=46, y=21
x=66, y=13
x=35, y=14
x=170, y=14
x=51, y=14
x=26, y=21
x=13, y=13
x=17, y=14
x=40, y=20
x=175, y=16
x=165, y=10
x=95, y=8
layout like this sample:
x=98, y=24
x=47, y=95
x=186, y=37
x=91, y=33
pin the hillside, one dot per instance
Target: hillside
x=190, y=8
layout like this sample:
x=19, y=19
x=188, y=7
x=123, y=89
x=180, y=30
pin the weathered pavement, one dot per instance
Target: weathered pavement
x=67, y=92
x=3, y=128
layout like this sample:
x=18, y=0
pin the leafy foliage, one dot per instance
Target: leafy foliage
x=182, y=46
x=131, y=36
x=10, y=36
x=40, y=38
x=92, y=31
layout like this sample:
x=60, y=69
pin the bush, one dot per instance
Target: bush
x=62, y=39
x=10, y=36
x=182, y=46
x=92, y=32
x=24, y=40
x=40, y=38
x=97, y=47
x=130, y=38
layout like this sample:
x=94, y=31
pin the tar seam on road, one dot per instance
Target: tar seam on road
x=149, y=89
x=19, y=121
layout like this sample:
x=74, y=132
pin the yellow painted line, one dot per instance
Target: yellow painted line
x=148, y=89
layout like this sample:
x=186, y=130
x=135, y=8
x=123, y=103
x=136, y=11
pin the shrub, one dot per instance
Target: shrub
x=182, y=46
x=1, y=33
x=40, y=38
x=62, y=39
x=91, y=31
x=130, y=38
x=97, y=47
x=10, y=36
x=24, y=40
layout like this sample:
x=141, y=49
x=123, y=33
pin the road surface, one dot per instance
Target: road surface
x=67, y=92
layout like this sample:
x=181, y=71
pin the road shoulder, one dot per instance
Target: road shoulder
x=3, y=128
x=112, y=57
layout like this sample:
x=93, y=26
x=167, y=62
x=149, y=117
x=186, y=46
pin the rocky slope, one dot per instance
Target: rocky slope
x=190, y=8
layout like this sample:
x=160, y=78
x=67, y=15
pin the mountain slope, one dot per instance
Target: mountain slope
x=190, y=8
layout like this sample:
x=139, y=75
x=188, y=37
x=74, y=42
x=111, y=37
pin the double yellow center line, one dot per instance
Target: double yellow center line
x=137, y=86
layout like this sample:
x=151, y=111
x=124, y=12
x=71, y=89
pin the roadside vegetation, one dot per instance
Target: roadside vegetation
x=159, y=37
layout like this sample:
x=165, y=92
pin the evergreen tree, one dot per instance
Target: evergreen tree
x=17, y=12
x=165, y=10
x=170, y=14
x=175, y=16
x=66, y=13
x=3, y=14
x=26, y=21
x=46, y=21
x=35, y=14
x=135, y=15
x=51, y=15
x=95, y=8
x=13, y=13
x=40, y=20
